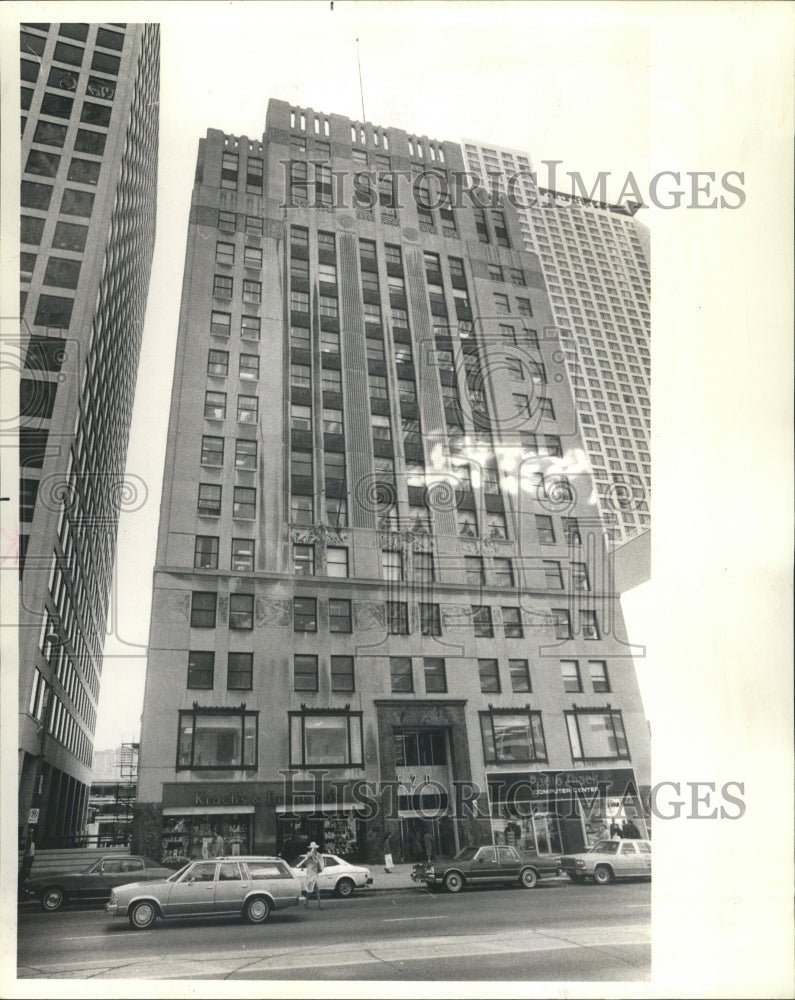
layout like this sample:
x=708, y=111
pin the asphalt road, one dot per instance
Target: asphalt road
x=556, y=931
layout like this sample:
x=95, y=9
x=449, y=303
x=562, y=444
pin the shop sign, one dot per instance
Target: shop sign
x=561, y=784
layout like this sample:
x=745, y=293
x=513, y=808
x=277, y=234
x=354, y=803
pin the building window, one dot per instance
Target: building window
x=242, y=555
x=205, y=552
x=305, y=677
x=324, y=738
x=240, y=671
x=467, y=524
x=545, y=529
x=302, y=509
x=247, y=409
x=599, y=679
x=392, y=565
x=523, y=306
x=254, y=175
x=512, y=623
x=304, y=560
x=423, y=567
x=301, y=376
x=300, y=417
x=227, y=221
x=339, y=615
x=589, y=625
x=397, y=618
x=489, y=673
x=337, y=512
x=430, y=619
x=329, y=342
x=209, y=504
x=249, y=327
x=579, y=576
x=503, y=572
x=501, y=303
x=225, y=253
x=331, y=380
x=241, y=611
x=222, y=286
x=245, y=454
x=512, y=737
x=496, y=526
x=245, y=503
x=435, y=674
x=562, y=623
x=252, y=291
x=596, y=734
x=342, y=678
x=332, y=421
x=218, y=739
x=304, y=614
x=212, y=450
x=201, y=666
x=249, y=366
x=336, y=561
x=215, y=405
x=202, y=609
x=218, y=363
x=254, y=227
x=473, y=570
x=481, y=621
x=520, y=675
x=229, y=168
x=571, y=531
x=570, y=671
x=401, y=674
x=553, y=574
x=300, y=464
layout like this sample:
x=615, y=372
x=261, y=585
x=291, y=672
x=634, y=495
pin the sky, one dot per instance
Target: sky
x=497, y=72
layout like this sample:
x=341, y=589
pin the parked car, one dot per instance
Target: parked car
x=608, y=860
x=249, y=886
x=338, y=875
x=488, y=865
x=93, y=884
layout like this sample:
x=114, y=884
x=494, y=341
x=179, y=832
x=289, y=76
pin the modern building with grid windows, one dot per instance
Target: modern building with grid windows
x=88, y=192
x=383, y=598
x=595, y=261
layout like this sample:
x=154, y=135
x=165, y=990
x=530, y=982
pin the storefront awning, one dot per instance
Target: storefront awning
x=206, y=810
x=317, y=807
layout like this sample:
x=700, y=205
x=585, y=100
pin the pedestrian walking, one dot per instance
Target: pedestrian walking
x=428, y=841
x=313, y=866
x=218, y=846
x=615, y=830
x=386, y=847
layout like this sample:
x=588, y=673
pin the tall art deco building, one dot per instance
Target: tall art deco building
x=88, y=192
x=382, y=601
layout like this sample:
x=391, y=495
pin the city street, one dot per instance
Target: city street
x=557, y=931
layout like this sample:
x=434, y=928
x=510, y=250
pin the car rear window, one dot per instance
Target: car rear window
x=267, y=869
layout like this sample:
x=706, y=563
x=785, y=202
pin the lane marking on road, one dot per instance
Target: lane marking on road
x=88, y=937
x=397, y=920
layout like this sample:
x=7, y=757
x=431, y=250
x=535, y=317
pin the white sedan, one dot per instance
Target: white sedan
x=338, y=876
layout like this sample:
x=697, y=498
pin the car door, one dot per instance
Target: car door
x=194, y=892
x=97, y=883
x=508, y=864
x=275, y=878
x=627, y=859
x=130, y=870
x=231, y=887
x=483, y=867
x=331, y=870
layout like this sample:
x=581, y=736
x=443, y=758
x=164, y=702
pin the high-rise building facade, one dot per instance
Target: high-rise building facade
x=382, y=599
x=88, y=195
x=595, y=261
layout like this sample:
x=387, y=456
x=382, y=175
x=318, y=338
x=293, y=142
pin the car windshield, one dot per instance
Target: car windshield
x=466, y=854
x=606, y=847
x=180, y=871
x=298, y=861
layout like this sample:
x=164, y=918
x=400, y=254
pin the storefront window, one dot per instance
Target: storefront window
x=596, y=735
x=331, y=739
x=217, y=739
x=191, y=836
x=512, y=736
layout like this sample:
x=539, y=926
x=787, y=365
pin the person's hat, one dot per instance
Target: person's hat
x=313, y=846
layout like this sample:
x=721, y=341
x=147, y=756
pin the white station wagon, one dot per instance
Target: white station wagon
x=249, y=886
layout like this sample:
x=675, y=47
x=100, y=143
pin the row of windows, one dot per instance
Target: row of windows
x=252, y=225
x=244, y=501
x=227, y=739
x=223, y=286
x=305, y=614
x=230, y=172
x=218, y=364
x=247, y=406
x=225, y=254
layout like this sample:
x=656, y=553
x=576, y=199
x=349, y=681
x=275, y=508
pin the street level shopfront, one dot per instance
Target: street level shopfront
x=562, y=812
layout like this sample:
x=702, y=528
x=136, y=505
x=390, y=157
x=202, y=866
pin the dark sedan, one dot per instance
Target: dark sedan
x=488, y=865
x=94, y=883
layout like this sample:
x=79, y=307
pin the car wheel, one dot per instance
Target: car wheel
x=602, y=875
x=142, y=915
x=53, y=898
x=345, y=887
x=529, y=878
x=257, y=910
x=453, y=882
